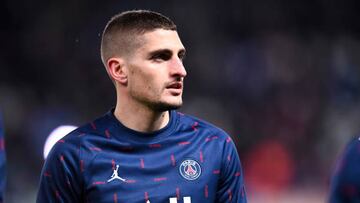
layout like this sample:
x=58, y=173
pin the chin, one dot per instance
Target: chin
x=166, y=106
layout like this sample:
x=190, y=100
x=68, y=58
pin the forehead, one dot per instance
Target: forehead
x=161, y=39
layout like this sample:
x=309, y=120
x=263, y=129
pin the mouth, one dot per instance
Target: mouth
x=175, y=88
x=175, y=85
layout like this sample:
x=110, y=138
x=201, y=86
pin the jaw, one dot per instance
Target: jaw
x=159, y=100
x=167, y=102
x=173, y=98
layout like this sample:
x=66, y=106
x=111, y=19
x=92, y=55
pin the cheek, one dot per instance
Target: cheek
x=144, y=83
x=147, y=79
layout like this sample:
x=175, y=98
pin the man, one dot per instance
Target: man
x=143, y=150
x=345, y=183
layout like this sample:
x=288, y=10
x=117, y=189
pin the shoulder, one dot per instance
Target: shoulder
x=80, y=138
x=354, y=142
x=202, y=126
x=349, y=159
x=353, y=147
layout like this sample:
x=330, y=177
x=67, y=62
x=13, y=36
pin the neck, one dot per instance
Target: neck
x=140, y=118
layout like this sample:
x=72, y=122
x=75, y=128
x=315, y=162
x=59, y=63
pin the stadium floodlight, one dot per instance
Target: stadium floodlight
x=55, y=136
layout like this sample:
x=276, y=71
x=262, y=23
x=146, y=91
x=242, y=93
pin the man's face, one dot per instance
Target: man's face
x=156, y=72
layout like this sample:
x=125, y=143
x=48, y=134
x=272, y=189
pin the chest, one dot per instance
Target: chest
x=153, y=174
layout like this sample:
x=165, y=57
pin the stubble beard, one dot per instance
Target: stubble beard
x=156, y=105
x=163, y=106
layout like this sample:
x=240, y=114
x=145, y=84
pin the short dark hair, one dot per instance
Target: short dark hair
x=121, y=32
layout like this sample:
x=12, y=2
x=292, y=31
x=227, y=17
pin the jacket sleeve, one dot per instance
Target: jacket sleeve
x=231, y=188
x=2, y=162
x=60, y=179
x=345, y=182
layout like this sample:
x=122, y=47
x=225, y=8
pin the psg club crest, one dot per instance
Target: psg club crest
x=190, y=169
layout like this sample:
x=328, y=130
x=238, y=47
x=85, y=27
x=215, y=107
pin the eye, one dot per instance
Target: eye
x=162, y=56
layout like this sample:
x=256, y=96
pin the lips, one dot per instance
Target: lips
x=175, y=88
x=175, y=85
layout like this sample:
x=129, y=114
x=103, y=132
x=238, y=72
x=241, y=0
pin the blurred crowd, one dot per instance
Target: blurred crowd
x=282, y=77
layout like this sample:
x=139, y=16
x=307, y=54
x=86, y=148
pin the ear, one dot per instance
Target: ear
x=117, y=70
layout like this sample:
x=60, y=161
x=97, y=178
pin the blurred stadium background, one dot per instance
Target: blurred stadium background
x=282, y=77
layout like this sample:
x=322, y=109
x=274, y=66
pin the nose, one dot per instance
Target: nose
x=177, y=68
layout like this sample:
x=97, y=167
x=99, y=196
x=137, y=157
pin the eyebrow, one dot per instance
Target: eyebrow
x=167, y=51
